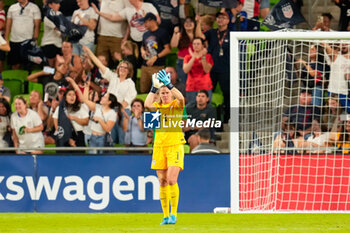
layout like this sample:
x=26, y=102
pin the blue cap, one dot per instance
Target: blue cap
x=148, y=16
x=53, y=1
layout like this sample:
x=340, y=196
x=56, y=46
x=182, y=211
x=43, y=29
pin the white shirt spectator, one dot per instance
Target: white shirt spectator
x=124, y=91
x=51, y=34
x=338, y=84
x=23, y=21
x=31, y=120
x=132, y=16
x=321, y=140
x=87, y=14
x=108, y=116
x=109, y=28
x=4, y=122
x=82, y=113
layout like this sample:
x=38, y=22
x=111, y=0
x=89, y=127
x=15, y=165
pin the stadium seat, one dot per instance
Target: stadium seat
x=138, y=75
x=186, y=149
x=15, y=86
x=171, y=58
x=218, y=89
x=217, y=99
x=138, y=78
x=49, y=151
x=25, y=96
x=273, y=2
x=118, y=151
x=150, y=145
x=142, y=96
x=15, y=74
x=41, y=33
x=35, y=86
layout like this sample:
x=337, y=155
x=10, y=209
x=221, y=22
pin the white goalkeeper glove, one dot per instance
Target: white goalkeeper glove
x=156, y=84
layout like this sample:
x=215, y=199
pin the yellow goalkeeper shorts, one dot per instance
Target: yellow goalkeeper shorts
x=168, y=156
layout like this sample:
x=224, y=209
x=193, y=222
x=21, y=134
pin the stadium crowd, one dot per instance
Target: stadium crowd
x=95, y=86
x=319, y=121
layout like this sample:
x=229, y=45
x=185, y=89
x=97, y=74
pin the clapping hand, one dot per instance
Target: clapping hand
x=156, y=84
x=204, y=52
x=155, y=81
x=137, y=113
x=163, y=77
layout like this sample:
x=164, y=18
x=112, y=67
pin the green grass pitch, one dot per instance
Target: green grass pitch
x=132, y=222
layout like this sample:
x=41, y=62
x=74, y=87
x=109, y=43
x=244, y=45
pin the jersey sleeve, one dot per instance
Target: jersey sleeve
x=10, y=12
x=157, y=105
x=111, y=116
x=36, y=13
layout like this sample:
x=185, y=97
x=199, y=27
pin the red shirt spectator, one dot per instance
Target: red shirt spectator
x=197, y=66
x=197, y=78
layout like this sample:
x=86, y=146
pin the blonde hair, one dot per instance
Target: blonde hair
x=35, y=91
x=132, y=47
x=207, y=20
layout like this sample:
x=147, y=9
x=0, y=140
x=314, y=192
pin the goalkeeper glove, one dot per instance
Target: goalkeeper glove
x=155, y=83
x=165, y=78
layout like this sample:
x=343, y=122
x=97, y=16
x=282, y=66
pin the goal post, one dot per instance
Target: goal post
x=265, y=83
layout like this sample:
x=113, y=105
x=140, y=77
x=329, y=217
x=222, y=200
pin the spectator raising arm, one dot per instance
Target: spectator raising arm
x=95, y=60
x=83, y=97
x=188, y=66
x=34, y=76
x=199, y=32
x=174, y=42
x=110, y=17
x=332, y=53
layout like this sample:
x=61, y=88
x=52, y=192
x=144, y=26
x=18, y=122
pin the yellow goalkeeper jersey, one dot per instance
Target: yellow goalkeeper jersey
x=170, y=132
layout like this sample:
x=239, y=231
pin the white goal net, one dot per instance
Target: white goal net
x=290, y=104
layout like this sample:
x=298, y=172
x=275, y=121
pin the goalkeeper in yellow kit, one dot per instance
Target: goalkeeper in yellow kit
x=168, y=150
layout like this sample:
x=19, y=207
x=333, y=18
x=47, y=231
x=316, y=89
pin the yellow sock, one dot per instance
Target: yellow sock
x=164, y=199
x=174, y=198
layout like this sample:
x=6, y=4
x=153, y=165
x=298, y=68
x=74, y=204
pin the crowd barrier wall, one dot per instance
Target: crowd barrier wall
x=109, y=183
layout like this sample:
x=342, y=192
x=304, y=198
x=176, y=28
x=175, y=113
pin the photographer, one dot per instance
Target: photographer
x=323, y=22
